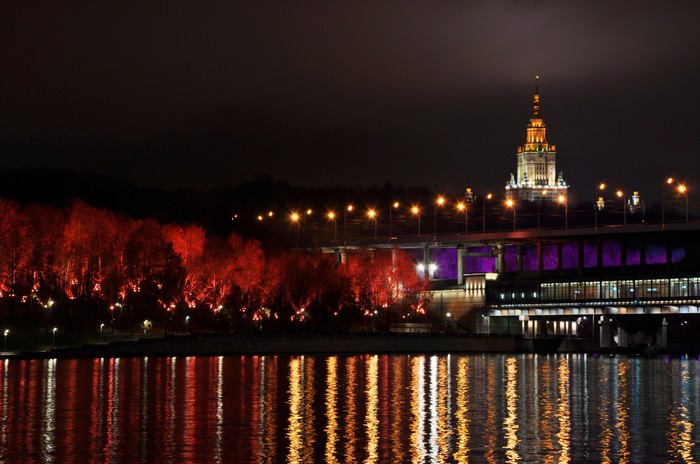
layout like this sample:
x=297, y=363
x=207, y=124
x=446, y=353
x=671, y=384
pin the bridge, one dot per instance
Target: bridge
x=616, y=285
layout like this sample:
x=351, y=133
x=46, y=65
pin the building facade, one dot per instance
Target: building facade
x=536, y=178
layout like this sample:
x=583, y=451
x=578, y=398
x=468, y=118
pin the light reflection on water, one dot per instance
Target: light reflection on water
x=428, y=408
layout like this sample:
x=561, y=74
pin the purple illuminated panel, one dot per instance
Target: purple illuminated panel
x=633, y=255
x=530, y=258
x=656, y=254
x=549, y=257
x=478, y=264
x=510, y=259
x=446, y=260
x=569, y=256
x=612, y=254
x=590, y=255
x=677, y=254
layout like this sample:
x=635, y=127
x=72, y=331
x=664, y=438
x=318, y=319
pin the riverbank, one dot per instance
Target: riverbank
x=228, y=344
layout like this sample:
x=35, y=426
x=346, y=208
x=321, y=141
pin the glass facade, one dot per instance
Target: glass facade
x=621, y=290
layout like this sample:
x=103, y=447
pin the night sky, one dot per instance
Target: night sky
x=437, y=94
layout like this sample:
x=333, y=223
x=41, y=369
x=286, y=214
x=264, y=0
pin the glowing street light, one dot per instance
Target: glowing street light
x=620, y=194
x=416, y=210
x=395, y=205
x=54, y=336
x=187, y=322
x=102, y=326
x=295, y=218
x=483, y=218
x=684, y=191
x=463, y=207
x=372, y=214
x=439, y=202
x=331, y=216
x=599, y=204
x=7, y=332
x=345, y=223
x=564, y=199
x=668, y=182
x=511, y=204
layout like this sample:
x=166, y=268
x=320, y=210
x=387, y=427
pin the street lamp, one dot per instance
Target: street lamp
x=54, y=336
x=684, y=190
x=463, y=207
x=511, y=204
x=669, y=181
x=416, y=210
x=7, y=332
x=372, y=214
x=439, y=202
x=565, y=200
x=295, y=218
x=331, y=216
x=539, y=204
x=395, y=205
x=483, y=219
x=102, y=326
x=187, y=322
x=620, y=194
x=345, y=223
x=599, y=203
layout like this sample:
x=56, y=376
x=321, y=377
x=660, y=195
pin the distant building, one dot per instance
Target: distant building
x=536, y=178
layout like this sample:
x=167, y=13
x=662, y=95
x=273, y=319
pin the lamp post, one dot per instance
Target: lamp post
x=295, y=218
x=416, y=210
x=684, y=190
x=669, y=181
x=53, y=342
x=394, y=205
x=7, y=332
x=439, y=202
x=539, y=205
x=463, y=207
x=565, y=200
x=102, y=326
x=511, y=204
x=599, y=203
x=483, y=219
x=187, y=323
x=620, y=194
x=347, y=210
x=331, y=216
x=372, y=214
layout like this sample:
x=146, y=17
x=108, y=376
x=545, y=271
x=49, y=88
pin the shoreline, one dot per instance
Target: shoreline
x=222, y=345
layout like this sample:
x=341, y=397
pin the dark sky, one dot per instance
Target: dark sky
x=176, y=94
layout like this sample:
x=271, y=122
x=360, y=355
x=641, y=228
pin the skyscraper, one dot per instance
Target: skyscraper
x=536, y=176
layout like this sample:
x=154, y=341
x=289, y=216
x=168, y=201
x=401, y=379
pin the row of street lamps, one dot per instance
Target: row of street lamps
x=463, y=206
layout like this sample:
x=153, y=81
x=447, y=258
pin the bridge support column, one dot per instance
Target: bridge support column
x=499, y=258
x=605, y=338
x=622, y=337
x=460, y=264
x=662, y=335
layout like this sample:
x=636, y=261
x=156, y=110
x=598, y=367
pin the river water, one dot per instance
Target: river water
x=365, y=408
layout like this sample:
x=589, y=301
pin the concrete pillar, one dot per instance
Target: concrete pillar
x=460, y=265
x=499, y=258
x=622, y=337
x=605, y=338
x=344, y=257
x=662, y=335
x=337, y=257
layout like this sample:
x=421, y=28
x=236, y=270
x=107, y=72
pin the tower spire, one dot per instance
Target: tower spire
x=536, y=98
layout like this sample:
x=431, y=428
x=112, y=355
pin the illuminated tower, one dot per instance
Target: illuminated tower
x=537, y=174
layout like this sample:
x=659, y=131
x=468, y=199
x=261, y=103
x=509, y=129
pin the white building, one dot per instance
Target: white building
x=536, y=178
